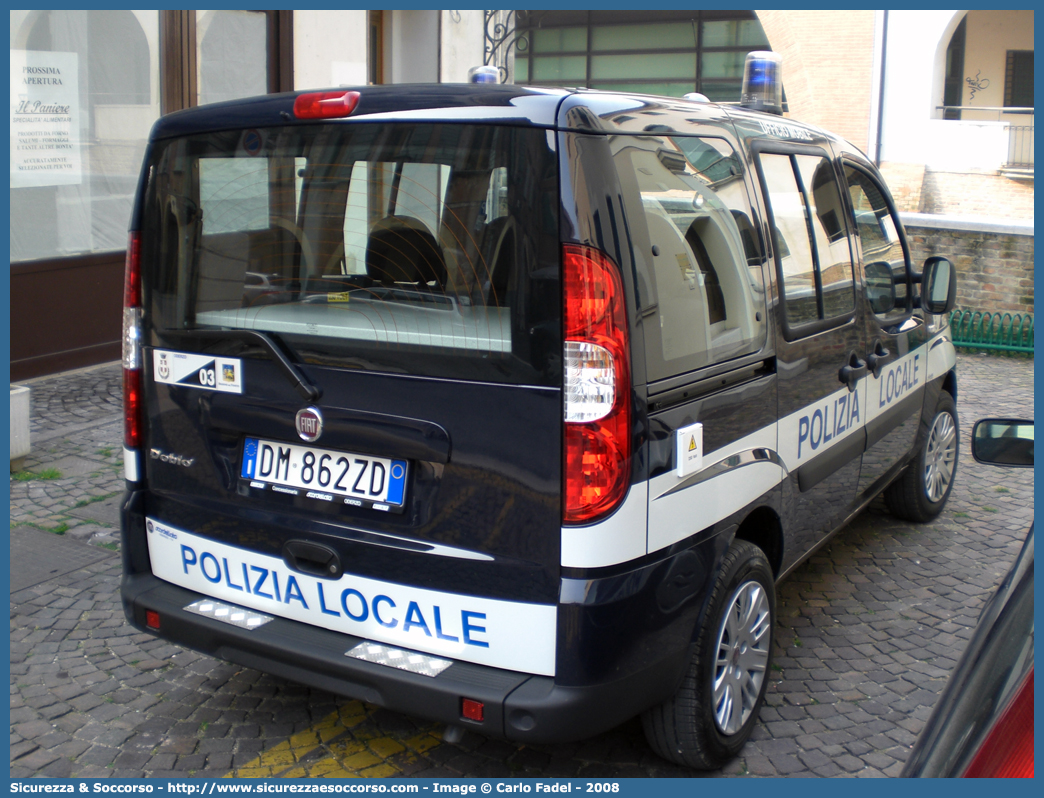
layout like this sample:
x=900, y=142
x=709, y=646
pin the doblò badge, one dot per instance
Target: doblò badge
x=689, y=449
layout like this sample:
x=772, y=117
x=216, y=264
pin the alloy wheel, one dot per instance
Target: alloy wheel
x=940, y=457
x=742, y=657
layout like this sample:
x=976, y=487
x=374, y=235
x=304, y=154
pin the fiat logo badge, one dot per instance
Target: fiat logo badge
x=309, y=423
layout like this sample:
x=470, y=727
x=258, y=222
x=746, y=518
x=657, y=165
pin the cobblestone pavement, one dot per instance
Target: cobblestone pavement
x=868, y=631
x=73, y=477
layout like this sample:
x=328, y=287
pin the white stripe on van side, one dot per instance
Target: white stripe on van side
x=820, y=426
x=619, y=538
x=942, y=355
x=733, y=476
x=676, y=516
x=739, y=473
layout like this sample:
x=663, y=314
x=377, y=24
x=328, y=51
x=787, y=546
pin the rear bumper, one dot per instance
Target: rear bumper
x=622, y=643
x=518, y=706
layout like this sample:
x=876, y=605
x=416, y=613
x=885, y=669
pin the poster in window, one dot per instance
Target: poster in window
x=45, y=119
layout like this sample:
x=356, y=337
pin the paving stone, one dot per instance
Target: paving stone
x=37, y=760
x=858, y=747
x=22, y=748
x=60, y=768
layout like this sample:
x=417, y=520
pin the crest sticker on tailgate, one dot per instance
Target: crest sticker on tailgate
x=198, y=371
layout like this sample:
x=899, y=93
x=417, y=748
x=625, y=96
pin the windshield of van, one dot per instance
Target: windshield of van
x=419, y=248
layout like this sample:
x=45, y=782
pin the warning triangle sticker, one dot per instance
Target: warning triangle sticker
x=692, y=443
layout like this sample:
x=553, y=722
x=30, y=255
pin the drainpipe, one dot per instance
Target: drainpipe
x=438, y=50
x=881, y=90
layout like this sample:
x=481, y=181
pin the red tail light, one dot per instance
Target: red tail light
x=597, y=436
x=325, y=104
x=132, y=408
x=132, y=345
x=132, y=272
x=1007, y=752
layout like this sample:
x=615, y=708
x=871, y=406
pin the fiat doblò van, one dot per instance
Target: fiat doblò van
x=507, y=407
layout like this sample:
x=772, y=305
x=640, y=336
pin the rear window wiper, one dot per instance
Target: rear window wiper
x=300, y=382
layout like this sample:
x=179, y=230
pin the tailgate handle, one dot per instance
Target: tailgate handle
x=313, y=559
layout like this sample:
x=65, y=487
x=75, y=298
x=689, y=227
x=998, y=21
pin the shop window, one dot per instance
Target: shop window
x=231, y=58
x=74, y=172
x=665, y=52
x=73, y=177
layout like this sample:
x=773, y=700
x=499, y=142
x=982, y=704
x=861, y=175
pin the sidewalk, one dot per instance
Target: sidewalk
x=72, y=480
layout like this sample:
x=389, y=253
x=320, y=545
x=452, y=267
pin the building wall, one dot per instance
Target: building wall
x=828, y=67
x=916, y=189
x=994, y=271
x=906, y=182
x=963, y=194
x=990, y=34
x=913, y=128
x=941, y=166
x=411, y=46
x=915, y=56
x=462, y=45
x=329, y=49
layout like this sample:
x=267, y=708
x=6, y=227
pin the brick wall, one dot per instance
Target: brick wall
x=963, y=194
x=994, y=270
x=990, y=194
x=906, y=182
x=813, y=44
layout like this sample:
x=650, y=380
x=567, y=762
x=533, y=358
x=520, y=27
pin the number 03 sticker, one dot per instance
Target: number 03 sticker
x=198, y=371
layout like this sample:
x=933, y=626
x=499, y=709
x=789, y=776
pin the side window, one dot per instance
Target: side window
x=813, y=257
x=885, y=259
x=702, y=245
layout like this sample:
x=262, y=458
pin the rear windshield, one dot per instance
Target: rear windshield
x=427, y=249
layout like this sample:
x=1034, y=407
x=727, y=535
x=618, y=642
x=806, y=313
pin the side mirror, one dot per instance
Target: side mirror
x=938, y=285
x=880, y=287
x=1003, y=441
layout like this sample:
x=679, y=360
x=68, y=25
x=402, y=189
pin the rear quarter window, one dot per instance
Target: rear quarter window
x=695, y=230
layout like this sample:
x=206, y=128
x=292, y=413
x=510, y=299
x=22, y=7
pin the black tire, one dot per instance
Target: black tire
x=935, y=467
x=684, y=729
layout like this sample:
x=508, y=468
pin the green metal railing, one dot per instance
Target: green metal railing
x=999, y=332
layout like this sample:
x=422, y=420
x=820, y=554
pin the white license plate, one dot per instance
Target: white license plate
x=356, y=479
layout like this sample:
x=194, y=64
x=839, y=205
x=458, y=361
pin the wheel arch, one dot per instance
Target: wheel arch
x=949, y=384
x=763, y=528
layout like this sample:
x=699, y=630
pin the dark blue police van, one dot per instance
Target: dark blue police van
x=507, y=407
